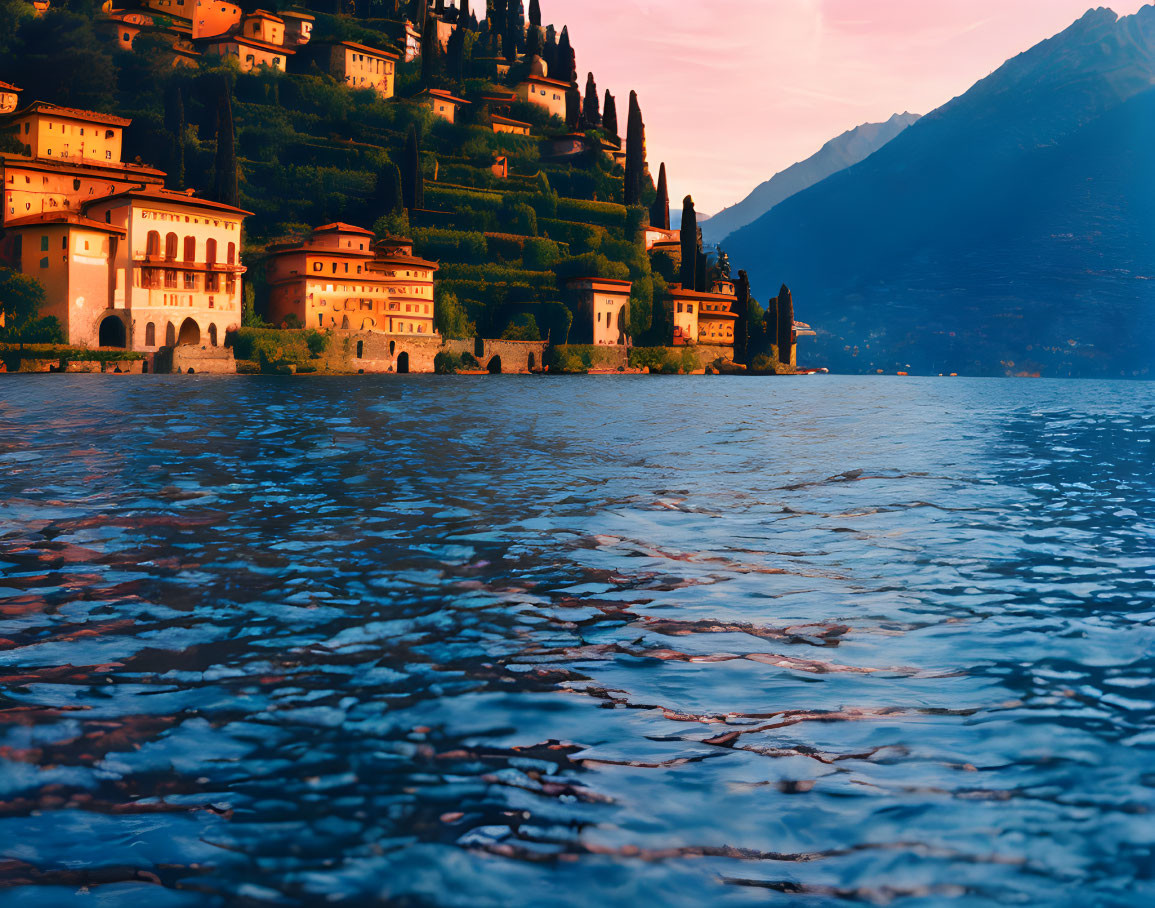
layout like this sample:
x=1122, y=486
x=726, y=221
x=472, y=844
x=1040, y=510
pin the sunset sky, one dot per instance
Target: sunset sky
x=733, y=91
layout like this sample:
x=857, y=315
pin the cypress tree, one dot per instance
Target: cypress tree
x=412, y=186
x=703, y=274
x=590, y=112
x=550, y=55
x=742, y=326
x=785, y=325
x=509, y=38
x=432, y=65
x=519, y=27
x=610, y=115
x=389, y=196
x=440, y=7
x=635, y=152
x=463, y=13
x=174, y=122
x=770, y=324
x=226, y=158
x=535, y=13
x=660, y=213
x=689, y=245
x=573, y=109
x=535, y=46
x=566, y=63
x=455, y=62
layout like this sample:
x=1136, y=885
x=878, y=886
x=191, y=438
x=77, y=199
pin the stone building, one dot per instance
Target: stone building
x=508, y=125
x=444, y=104
x=602, y=311
x=123, y=261
x=339, y=278
x=357, y=65
x=548, y=94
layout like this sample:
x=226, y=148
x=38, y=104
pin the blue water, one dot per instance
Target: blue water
x=576, y=641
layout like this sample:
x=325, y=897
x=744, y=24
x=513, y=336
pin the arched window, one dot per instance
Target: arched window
x=190, y=248
x=213, y=335
x=170, y=243
x=232, y=254
x=153, y=243
x=150, y=335
x=211, y=252
x=170, y=335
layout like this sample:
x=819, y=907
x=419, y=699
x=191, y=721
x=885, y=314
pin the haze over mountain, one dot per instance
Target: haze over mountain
x=1010, y=231
x=848, y=149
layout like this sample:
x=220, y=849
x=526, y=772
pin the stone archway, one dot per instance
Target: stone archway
x=190, y=334
x=112, y=332
x=403, y=364
x=494, y=367
x=531, y=363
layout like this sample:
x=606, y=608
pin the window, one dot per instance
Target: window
x=150, y=335
x=170, y=243
x=44, y=243
x=318, y=266
x=211, y=252
x=231, y=255
x=190, y=249
x=152, y=246
x=190, y=280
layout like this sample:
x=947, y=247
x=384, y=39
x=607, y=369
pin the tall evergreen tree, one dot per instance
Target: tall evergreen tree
x=689, y=245
x=573, y=109
x=455, y=58
x=509, y=36
x=412, y=182
x=519, y=27
x=635, y=152
x=550, y=55
x=226, y=157
x=432, y=64
x=463, y=13
x=565, y=67
x=590, y=113
x=439, y=7
x=660, y=212
x=535, y=46
x=785, y=325
x=174, y=123
x=610, y=115
x=742, y=326
x=389, y=197
x=770, y=323
x=535, y=13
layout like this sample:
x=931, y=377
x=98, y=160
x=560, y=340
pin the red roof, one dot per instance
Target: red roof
x=71, y=113
x=231, y=38
x=508, y=122
x=169, y=197
x=62, y=217
x=363, y=47
x=264, y=14
x=7, y=86
x=542, y=80
x=341, y=227
x=601, y=280
x=445, y=95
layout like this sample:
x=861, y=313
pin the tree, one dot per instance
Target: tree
x=226, y=158
x=455, y=63
x=785, y=325
x=174, y=123
x=509, y=35
x=450, y=318
x=635, y=152
x=432, y=66
x=770, y=323
x=660, y=212
x=412, y=182
x=573, y=109
x=21, y=298
x=463, y=13
x=590, y=113
x=535, y=46
x=565, y=66
x=689, y=245
x=389, y=198
x=610, y=115
x=550, y=55
x=742, y=326
x=535, y=13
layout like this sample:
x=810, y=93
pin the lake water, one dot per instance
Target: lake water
x=576, y=641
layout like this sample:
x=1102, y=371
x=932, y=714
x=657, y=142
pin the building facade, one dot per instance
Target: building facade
x=358, y=65
x=444, y=104
x=704, y=318
x=602, y=311
x=340, y=278
x=548, y=94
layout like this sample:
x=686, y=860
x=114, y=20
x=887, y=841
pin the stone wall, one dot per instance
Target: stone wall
x=504, y=356
x=189, y=360
x=372, y=352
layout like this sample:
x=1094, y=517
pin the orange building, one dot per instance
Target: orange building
x=512, y=127
x=339, y=278
x=704, y=318
x=359, y=66
x=123, y=261
x=214, y=17
x=602, y=311
x=548, y=94
x=249, y=52
x=444, y=104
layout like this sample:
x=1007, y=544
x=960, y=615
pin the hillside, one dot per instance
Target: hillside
x=310, y=151
x=1007, y=232
x=846, y=150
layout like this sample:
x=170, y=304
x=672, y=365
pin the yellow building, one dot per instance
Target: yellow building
x=548, y=94
x=66, y=134
x=214, y=17
x=179, y=9
x=339, y=278
x=704, y=318
x=602, y=311
x=250, y=53
x=262, y=25
x=444, y=104
x=507, y=125
x=9, y=97
x=360, y=66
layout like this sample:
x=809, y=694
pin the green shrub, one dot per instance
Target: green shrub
x=522, y=328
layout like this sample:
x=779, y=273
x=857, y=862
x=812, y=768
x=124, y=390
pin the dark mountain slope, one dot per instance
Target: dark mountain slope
x=1009, y=231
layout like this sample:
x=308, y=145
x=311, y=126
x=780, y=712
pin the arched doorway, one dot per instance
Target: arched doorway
x=494, y=367
x=112, y=333
x=170, y=335
x=213, y=335
x=531, y=363
x=360, y=349
x=403, y=364
x=150, y=335
x=392, y=347
x=190, y=334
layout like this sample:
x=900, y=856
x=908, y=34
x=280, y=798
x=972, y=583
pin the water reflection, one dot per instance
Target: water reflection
x=515, y=641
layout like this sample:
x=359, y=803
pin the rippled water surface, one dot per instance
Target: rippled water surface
x=590, y=641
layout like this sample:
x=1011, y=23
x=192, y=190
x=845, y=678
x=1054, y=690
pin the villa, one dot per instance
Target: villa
x=358, y=65
x=602, y=311
x=702, y=318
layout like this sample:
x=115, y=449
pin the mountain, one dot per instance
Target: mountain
x=676, y=218
x=1010, y=231
x=845, y=151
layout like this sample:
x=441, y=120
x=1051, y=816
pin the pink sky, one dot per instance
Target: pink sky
x=734, y=91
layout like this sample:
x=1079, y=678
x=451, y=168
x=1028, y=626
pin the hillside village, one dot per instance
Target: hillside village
x=367, y=186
